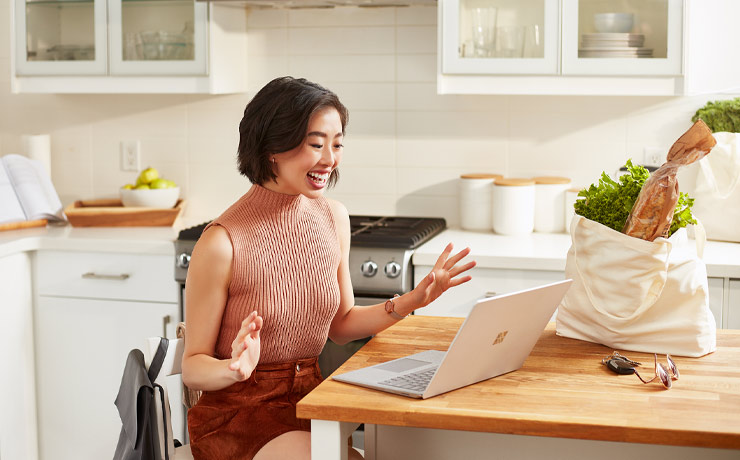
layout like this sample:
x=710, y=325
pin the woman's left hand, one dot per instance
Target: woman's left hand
x=443, y=276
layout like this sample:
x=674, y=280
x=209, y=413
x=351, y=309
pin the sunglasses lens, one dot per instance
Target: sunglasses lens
x=673, y=367
x=665, y=379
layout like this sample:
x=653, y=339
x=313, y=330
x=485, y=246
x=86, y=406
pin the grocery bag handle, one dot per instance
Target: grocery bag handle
x=706, y=169
x=643, y=306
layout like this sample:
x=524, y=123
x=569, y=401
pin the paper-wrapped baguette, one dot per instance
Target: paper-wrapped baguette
x=652, y=212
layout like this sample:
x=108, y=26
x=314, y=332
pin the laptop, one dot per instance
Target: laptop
x=495, y=338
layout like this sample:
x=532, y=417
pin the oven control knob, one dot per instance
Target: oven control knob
x=183, y=260
x=392, y=269
x=369, y=268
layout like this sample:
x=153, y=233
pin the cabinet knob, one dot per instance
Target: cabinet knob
x=165, y=322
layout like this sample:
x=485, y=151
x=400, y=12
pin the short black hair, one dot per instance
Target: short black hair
x=276, y=121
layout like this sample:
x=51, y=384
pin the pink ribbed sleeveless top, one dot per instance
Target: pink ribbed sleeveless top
x=286, y=257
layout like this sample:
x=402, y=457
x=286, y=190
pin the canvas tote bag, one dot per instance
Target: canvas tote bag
x=717, y=192
x=633, y=294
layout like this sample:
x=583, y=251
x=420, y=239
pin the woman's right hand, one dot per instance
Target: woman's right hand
x=245, y=349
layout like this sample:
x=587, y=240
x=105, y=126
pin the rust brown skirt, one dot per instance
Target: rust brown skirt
x=236, y=422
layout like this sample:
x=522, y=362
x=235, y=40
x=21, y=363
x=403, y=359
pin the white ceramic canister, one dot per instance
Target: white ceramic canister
x=571, y=195
x=475, y=201
x=549, y=201
x=513, y=205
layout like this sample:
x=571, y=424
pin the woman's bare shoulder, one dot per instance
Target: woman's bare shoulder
x=341, y=216
x=214, y=245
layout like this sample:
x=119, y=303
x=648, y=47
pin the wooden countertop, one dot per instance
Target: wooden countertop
x=562, y=390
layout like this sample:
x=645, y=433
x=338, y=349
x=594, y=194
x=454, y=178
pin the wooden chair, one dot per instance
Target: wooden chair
x=170, y=366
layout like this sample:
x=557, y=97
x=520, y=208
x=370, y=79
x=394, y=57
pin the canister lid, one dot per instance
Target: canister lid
x=480, y=176
x=513, y=181
x=574, y=189
x=551, y=180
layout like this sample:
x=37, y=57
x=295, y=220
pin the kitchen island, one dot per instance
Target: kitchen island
x=563, y=403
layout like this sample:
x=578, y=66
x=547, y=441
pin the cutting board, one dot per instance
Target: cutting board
x=23, y=224
x=112, y=213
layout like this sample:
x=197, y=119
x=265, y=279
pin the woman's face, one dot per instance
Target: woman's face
x=306, y=168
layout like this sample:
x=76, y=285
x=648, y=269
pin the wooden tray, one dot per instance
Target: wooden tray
x=112, y=213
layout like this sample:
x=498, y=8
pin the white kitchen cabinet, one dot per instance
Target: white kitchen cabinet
x=716, y=299
x=129, y=46
x=674, y=47
x=485, y=282
x=17, y=382
x=91, y=310
x=733, y=305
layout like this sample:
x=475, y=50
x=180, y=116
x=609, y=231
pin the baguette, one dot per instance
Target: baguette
x=652, y=213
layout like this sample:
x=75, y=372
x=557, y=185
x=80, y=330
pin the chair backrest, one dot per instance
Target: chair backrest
x=172, y=365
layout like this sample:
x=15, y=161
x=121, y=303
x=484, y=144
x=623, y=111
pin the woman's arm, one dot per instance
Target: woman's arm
x=354, y=322
x=206, y=292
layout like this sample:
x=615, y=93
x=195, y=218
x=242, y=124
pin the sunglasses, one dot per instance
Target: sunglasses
x=622, y=365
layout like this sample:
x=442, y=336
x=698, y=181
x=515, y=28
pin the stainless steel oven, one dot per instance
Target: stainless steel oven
x=380, y=266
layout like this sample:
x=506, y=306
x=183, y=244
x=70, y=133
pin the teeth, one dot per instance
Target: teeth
x=319, y=177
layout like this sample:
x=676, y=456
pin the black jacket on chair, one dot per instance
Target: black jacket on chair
x=139, y=438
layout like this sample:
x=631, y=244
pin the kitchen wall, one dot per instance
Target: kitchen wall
x=405, y=146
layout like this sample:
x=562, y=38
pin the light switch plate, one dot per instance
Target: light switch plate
x=130, y=155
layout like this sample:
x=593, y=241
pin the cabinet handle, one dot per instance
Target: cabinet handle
x=97, y=276
x=165, y=322
x=490, y=294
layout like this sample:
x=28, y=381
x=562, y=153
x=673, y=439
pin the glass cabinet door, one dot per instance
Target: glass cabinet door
x=622, y=37
x=500, y=36
x=60, y=37
x=157, y=37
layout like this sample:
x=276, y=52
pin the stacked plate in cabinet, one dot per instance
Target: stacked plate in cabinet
x=613, y=45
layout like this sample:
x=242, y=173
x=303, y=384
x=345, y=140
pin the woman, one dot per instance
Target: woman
x=269, y=281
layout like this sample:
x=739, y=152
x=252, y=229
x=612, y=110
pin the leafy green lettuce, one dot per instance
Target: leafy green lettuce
x=721, y=116
x=610, y=202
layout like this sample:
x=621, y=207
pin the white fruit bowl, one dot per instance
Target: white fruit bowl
x=164, y=198
x=613, y=22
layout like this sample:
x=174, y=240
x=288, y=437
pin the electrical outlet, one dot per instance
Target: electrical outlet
x=130, y=155
x=653, y=156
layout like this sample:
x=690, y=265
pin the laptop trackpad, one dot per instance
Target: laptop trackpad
x=402, y=365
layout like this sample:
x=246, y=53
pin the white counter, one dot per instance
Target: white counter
x=536, y=251
x=547, y=251
x=141, y=240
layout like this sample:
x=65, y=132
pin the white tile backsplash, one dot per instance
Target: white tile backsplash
x=341, y=41
x=344, y=69
x=416, y=15
x=405, y=147
x=341, y=17
x=416, y=39
x=266, y=18
x=416, y=68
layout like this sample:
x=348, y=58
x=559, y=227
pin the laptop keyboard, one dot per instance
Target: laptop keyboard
x=414, y=381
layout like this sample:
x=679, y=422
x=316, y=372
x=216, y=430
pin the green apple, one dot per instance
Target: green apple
x=146, y=176
x=142, y=187
x=159, y=183
x=128, y=186
x=170, y=183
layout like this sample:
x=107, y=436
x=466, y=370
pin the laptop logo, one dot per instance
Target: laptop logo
x=500, y=337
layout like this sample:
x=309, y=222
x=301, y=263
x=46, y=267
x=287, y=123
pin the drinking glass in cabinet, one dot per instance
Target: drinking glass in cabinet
x=60, y=30
x=623, y=29
x=157, y=30
x=483, y=20
x=501, y=29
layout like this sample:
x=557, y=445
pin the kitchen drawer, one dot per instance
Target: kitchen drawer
x=100, y=275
